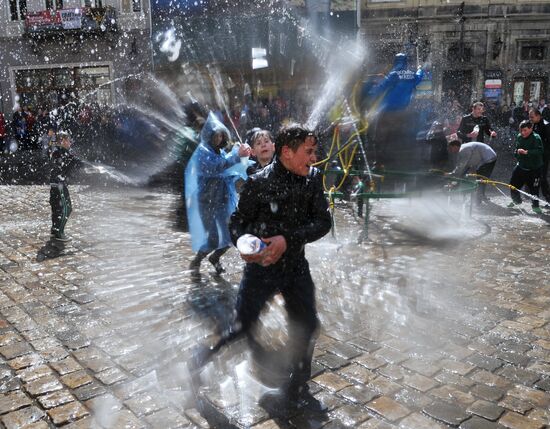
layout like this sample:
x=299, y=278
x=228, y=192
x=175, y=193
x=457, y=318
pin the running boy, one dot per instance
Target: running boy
x=285, y=206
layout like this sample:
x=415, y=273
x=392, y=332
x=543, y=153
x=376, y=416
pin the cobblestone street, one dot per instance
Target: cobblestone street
x=434, y=322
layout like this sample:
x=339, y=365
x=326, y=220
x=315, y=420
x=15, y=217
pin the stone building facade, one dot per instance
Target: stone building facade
x=54, y=51
x=478, y=49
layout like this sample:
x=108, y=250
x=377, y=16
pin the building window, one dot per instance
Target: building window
x=454, y=53
x=54, y=4
x=136, y=5
x=18, y=10
x=532, y=53
x=93, y=3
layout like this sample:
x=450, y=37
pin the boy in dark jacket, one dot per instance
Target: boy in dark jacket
x=529, y=153
x=62, y=164
x=284, y=205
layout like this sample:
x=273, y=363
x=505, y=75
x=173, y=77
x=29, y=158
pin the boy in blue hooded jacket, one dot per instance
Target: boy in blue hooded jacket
x=210, y=193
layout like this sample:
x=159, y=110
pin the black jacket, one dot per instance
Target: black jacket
x=467, y=125
x=542, y=128
x=62, y=164
x=277, y=202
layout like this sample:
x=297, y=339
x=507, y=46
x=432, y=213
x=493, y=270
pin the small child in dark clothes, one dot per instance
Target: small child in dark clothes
x=62, y=164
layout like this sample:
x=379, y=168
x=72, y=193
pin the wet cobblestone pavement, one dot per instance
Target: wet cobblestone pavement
x=437, y=320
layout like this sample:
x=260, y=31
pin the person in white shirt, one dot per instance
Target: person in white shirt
x=475, y=157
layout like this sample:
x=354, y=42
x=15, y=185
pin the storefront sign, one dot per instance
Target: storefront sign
x=492, y=94
x=493, y=74
x=71, y=18
x=493, y=84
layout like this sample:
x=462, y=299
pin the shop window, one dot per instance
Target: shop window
x=529, y=89
x=18, y=10
x=532, y=53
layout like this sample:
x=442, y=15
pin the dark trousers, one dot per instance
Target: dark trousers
x=60, y=202
x=360, y=204
x=484, y=170
x=529, y=178
x=545, y=188
x=258, y=285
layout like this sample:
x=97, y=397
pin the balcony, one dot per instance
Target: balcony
x=70, y=21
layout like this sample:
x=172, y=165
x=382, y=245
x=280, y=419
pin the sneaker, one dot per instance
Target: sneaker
x=61, y=237
x=195, y=264
x=217, y=265
x=537, y=210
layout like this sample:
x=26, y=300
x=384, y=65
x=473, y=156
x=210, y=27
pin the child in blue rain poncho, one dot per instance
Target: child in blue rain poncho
x=210, y=194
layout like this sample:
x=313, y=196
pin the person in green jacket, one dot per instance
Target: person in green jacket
x=529, y=153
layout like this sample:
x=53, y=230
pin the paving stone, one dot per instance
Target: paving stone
x=486, y=362
x=52, y=400
x=106, y=404
x=9, y=337
x=514, y=404
x=88, y=391
x=358, y=394
x=343, y=350
x=412, y=398
x=332, y=361
x=169, y=418
x=21, y=362
x=67, y=413
x=479, y=423
x=486, y=410
x=349, y=415
x=375, y=423
x=13, y=401
x=76, y=379
x=393, y=372
x=33, y=372
x=384, y=386
x=364, y=344
x=22, y=418
x=14, y=350
x=513, y=420
x=490, y=379
x=450, y=393
x=66, y=366
x=143, y=404
x=446, y=413
x=111, y=376
x=543, y=384
x=535, y=397
x=331, y=382
x=388, y=408
x=519, y=375
x=370, y=361
x=357, y=373
x=390, y=355
x=425, y=368
x=456, y=367
x=417, y=421
x=419, y=382
x=514, y=358
x=488, y=393
x=43, y=385
x=446, y=377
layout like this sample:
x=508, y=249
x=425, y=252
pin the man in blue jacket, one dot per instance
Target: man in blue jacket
x=394, y=95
